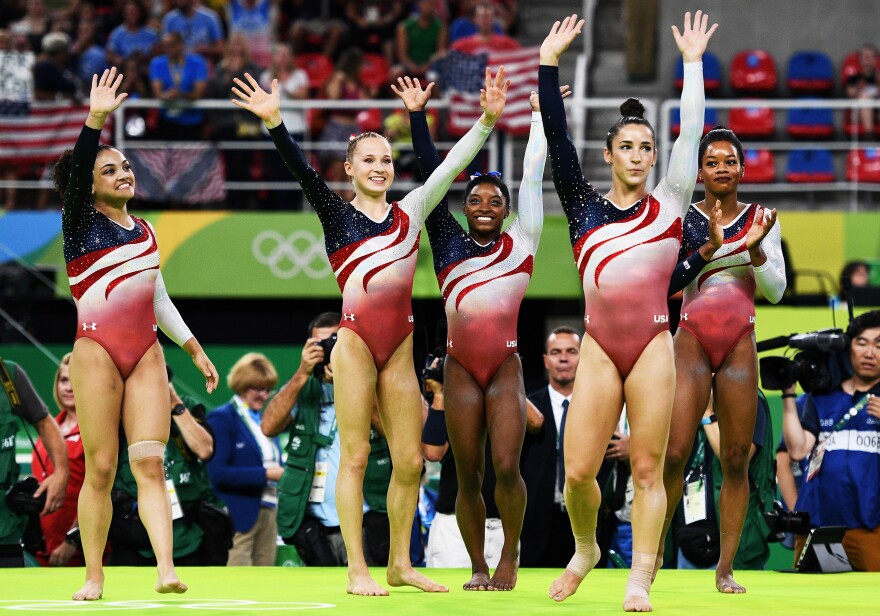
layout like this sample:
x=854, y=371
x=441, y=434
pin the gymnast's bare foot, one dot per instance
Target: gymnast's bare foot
x=364, y=585
x=635, y=603
x=170, y=583
x=91, y=591
x=567, y=584
x=505, y=575
x=407, y=576
x=724, y=583
x=479, y=581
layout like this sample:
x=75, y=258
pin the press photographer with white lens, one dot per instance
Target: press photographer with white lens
x=840, y=433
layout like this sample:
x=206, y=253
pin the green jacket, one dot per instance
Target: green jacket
x=299, y=468
x=190, y=477
x=11, y=524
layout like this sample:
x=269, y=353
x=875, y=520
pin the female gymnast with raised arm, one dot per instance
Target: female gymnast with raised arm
x=625, y=247
x=483, y=274
x=372, y=246
x=117, y=367
x=715, y=342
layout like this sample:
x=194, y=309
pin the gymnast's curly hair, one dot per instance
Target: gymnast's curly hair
x=61, y=174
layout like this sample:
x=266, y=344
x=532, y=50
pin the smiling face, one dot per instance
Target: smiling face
x=632, y=155
x=485, y=209
x=370, y=167
x=113, y=178
x=721, y=168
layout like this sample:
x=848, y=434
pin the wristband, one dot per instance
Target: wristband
x=72, y=537
x=178, y=409
x=434, y=432
x=789, y=396
x=705, y=421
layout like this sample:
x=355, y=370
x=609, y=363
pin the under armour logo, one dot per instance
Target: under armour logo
x=92, y=327
x=449, y=344
x=686, y=265
x=684, y=316
x=348, y=317
x=587, y=320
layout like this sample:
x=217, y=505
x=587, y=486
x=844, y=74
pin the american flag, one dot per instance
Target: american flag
x=463, y=76
x=39, y=132
x=179, y=174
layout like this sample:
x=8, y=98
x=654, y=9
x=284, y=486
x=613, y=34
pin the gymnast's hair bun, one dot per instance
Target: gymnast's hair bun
x=632, y=108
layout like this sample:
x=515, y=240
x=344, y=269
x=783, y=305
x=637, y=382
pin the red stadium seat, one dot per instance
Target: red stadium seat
x=374, y=71
x=752, y=121
x=317, y=66
x=370, y=120
x=863, y=165
x=760, y=167
x=753, y=72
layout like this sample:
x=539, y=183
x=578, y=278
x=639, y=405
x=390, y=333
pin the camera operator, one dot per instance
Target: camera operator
x=20, y=401
x=307, y=516
x=842, y=487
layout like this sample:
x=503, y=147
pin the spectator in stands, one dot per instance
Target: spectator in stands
x=52, y=79
x=293, y=84
x=136, y=79
x=34, y=25
x=177, y=77
x=236, y=61
x=257, y=20
x=133, y=37
x=246, y=465
x=372, y=25
x=199, y=26
x=341, y=124
x=399, y=132
x=485, y=40
x=464, y=25
x=863, y=85
x=60, y=528
x=421, y=39
x=310, y=30
x=19, y=402
x=91, y=59
x=839, y=431
x=854, y=274
x=308, y=518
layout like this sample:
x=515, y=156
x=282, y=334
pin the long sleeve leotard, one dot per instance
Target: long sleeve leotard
x=374, y=261
x=625, y=255
x=483, y=286
x=718, y=308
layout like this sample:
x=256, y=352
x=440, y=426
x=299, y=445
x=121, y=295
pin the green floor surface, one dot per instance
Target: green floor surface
x=240, y=590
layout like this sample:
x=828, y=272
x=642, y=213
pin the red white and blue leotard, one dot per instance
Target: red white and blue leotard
x=626, y=256
x=374, y=261
x=113, y=271
x=719, y=304
x=483, y=286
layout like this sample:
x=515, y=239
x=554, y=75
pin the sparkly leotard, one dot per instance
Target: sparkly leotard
x=113, y=270
x=483, y=286
x=374, y=261
x=719, y=304
x=625, y=257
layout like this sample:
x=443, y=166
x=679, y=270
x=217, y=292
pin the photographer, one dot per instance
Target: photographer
x=20, y=401
x=202, y=531
x=842, y=486
x=307, y=516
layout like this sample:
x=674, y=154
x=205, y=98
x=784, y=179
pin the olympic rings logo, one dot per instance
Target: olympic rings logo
x=222, y=605
x=286, y=257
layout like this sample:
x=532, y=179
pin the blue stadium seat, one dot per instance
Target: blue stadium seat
x=810, y=73
x=712, y=75
x=810, y=166
x=810, y=123
x=710, y=119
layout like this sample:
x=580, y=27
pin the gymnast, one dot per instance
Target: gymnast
x=625, y=246
x=372, y=246
x=483, y=274
x=117, y=368
x=715, y=342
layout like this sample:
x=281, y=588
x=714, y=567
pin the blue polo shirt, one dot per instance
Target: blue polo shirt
x=184, y=77
x=124, y=43
x=203, y=28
